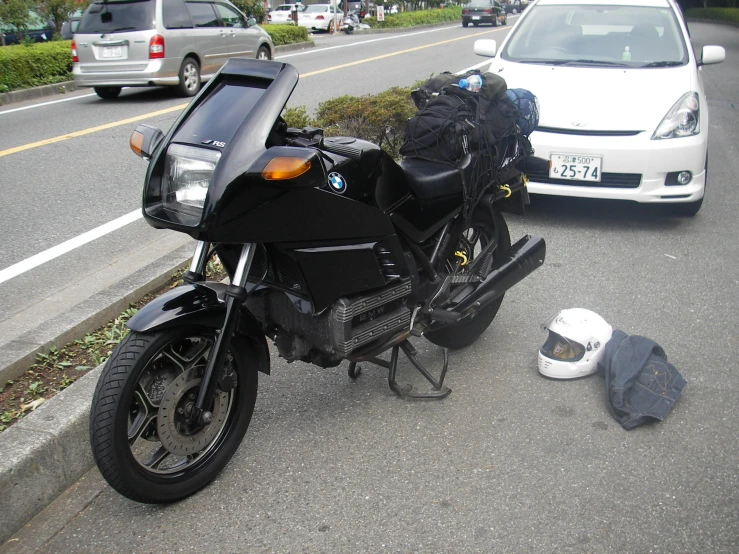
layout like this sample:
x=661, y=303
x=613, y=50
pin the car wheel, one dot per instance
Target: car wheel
x=495, y=21
x=107, y=93
x=465, y=23
x=189, y=84
x=263, y=53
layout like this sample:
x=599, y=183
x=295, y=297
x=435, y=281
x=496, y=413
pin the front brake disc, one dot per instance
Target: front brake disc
x=178, y=436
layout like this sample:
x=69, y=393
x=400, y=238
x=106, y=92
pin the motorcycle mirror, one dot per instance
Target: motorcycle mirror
x=145, y=140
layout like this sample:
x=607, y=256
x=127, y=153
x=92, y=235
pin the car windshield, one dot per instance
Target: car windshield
x=113, y=17
x=602, y=35
x=316, y=8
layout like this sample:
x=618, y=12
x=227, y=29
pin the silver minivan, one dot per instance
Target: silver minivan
x=137, y=43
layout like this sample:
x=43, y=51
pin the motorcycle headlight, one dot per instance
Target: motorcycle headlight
x=683, y=119
x=187, y=173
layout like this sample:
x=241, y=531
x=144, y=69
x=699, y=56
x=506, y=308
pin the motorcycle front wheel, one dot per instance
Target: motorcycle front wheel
x=485, y=225
x=141, y=440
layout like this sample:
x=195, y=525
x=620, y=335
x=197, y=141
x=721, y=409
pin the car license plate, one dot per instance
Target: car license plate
x=475, y=17
x=112, y=51
x=575, y=167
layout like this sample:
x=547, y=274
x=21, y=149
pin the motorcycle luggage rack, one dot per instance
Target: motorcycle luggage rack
x=439, y=389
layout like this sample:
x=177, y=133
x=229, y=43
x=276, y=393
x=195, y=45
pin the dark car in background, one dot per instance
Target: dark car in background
x=483, y=11
x=39, y=29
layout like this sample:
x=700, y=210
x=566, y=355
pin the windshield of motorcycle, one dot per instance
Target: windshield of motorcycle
x=227, y=105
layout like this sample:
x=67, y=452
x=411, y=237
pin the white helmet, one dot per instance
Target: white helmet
x=576, y=344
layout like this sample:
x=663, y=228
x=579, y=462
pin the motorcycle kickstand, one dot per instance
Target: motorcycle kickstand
x=440, y=390
x=355, y=370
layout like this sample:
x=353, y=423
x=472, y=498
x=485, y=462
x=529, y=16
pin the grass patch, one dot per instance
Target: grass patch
x=412, y=19
x=719, y=14
x=286, y=34
x=58, y=368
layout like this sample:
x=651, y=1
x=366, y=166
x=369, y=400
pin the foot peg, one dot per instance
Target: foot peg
x=439, y=389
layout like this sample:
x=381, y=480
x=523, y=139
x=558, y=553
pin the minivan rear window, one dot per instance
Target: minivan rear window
x=118, y=17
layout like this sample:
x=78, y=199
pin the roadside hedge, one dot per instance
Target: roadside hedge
x=44, y=63
x=379, y=118
x=721, y=14
x=286, y=34
x=411, y=19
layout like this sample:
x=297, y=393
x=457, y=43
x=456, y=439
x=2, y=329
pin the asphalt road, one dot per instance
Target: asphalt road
x=510, y=462
x=56, y=192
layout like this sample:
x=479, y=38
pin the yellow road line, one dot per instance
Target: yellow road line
x=179, y=107
x=391, y=54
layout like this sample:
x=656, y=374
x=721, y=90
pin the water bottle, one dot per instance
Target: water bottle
x=473, y=83
x=626, y=56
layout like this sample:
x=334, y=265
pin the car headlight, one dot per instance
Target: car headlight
x=683, y=119
x=187, y=173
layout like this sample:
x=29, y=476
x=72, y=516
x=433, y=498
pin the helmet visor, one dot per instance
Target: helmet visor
x=560, y=348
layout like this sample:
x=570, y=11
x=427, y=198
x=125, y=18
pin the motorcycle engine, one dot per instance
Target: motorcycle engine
x=328, y=338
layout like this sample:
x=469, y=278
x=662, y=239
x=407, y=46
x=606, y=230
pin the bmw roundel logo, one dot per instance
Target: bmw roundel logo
x=337, y=182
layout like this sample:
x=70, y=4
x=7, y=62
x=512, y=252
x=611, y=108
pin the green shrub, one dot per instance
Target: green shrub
x=721, y=14
x=298, y=117
x=411, y=19
x=24, y=66
x=286, y=34
x=378, y=118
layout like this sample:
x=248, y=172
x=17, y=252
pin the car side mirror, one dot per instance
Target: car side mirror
x=485, y=47
x=712, y=54
x=251, y=22
x=145, y=140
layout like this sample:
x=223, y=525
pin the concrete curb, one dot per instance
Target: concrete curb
x=44, y=453
x=69, y=86
x=18, y=354
x=36, y=92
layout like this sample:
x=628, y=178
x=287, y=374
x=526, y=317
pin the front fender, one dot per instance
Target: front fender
x=201, y=304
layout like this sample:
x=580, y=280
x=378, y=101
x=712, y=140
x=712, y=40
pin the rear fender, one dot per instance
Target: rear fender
x=201, y=304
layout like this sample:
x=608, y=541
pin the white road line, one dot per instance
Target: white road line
x=46, y=103
x=67, y=246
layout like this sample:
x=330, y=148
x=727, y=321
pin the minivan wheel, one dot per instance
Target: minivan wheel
x=263, y=53
x=107, y=93
x=189, y=84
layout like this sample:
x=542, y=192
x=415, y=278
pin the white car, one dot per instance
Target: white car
x=320, y=17
x=623, y=114
x=283, y=13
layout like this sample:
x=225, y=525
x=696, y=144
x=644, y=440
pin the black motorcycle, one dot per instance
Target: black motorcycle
x=334, y=251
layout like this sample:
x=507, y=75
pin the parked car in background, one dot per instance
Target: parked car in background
x=320, y=17
x=392, y=9
x=283, y=13
x=40, y=29
x=483, y=11
x=136, y=43
x=623, y=111
x=513, y=6
x=69, y=27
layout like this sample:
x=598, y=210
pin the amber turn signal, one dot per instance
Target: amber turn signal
x=279, y=169
x=136, y=142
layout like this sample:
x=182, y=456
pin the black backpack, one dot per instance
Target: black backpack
x=440, y=131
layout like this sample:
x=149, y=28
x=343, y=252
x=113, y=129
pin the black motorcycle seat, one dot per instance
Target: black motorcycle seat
x=430, y=179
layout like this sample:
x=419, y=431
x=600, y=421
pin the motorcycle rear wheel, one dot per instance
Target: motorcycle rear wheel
x=487, y=224
x=140, y=439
